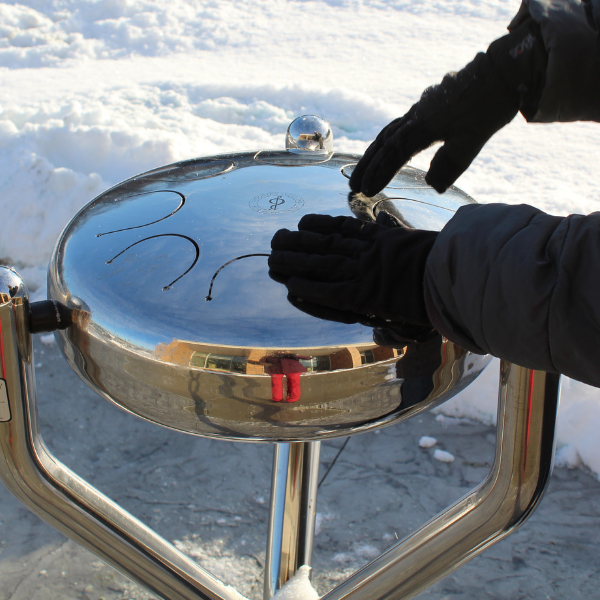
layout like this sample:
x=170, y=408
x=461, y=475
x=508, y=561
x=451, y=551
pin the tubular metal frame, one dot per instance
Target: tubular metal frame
x=522, y=466
x=528, y=402
x=290, y=537
x=67, y=502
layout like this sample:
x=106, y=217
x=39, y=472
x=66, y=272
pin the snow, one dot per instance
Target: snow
x=321, y=519
x=567, y=456
x=427, y=441
x=443, y=456
x=358, y=555
x=94, y=91
x=297, y=587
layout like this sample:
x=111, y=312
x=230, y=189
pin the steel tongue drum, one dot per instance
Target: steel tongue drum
x=176, y=319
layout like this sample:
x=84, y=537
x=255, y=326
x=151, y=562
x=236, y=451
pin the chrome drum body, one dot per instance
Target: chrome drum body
x=178, y=321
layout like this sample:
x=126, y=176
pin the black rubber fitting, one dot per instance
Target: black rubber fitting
x=48, y=315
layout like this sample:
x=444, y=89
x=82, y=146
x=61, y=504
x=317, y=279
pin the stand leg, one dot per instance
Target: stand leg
x=64, y=500
x=522, y=467
x=292, y=513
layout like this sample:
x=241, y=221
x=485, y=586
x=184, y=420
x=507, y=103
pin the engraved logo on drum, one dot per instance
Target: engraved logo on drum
x=276, y=203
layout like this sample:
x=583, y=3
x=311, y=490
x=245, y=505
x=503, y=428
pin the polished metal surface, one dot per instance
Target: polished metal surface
x=177, y=321
x=64, y=500
x=309, y=133
x=290, y=536
x=528, y=402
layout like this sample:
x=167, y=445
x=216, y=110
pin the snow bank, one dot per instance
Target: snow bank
x=48, y=33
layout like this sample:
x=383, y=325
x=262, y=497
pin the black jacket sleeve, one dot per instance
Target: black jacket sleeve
x=571, y=90
x=520, y=284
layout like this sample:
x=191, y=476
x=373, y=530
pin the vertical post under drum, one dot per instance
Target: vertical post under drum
x=292, y=512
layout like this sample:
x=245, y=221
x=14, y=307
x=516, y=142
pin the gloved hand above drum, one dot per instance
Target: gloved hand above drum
x=463, y=111
x=353, y=269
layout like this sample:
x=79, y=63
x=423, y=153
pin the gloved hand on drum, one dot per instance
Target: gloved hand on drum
x=463, y=111
x=347, y=270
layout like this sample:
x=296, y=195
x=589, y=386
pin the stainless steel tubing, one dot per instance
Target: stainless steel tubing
x=517, y=480
x=67, y=502
x=292, y=515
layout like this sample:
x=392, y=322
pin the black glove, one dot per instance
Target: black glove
x=354, y=268
x=464, y=111
x=392, y=334
x=402, y=336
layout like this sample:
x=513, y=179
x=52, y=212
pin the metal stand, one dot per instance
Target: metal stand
x=523, y=463
x=293, y=509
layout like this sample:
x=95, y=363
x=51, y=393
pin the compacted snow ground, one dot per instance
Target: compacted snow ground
x=92, y=92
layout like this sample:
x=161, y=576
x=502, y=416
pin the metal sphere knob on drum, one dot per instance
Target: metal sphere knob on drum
x=309, y=133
